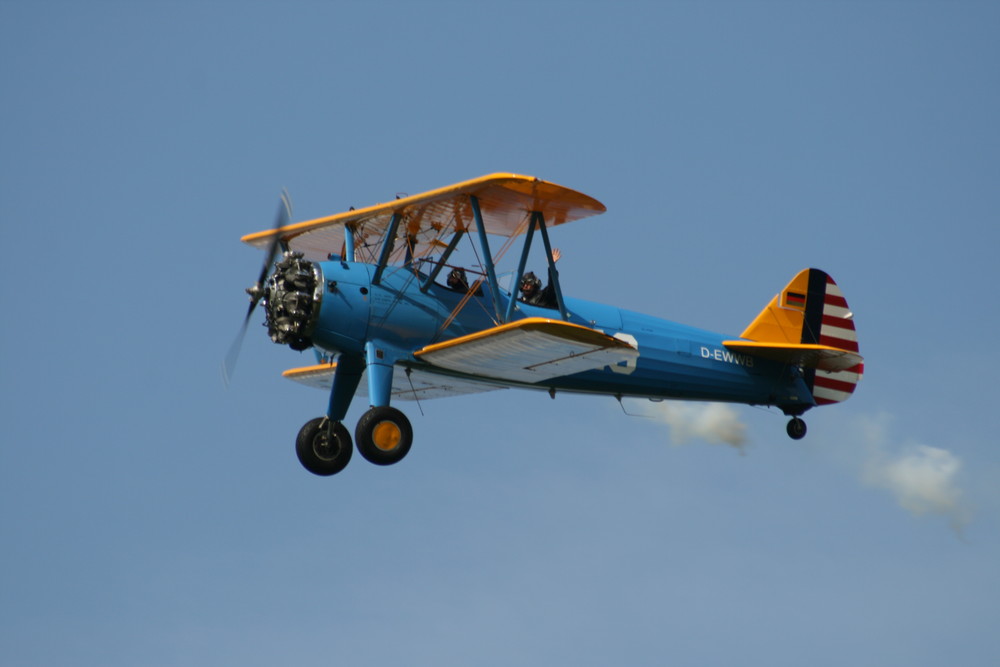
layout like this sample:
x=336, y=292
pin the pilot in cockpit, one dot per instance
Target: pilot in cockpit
x=531, y=287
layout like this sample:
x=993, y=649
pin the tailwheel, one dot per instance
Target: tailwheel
x=796, y=428
x=324, y=447
x=384, y=435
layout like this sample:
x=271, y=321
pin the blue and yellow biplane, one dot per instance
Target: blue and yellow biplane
x=379, y=295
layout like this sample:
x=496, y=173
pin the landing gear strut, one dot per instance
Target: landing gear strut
x=796, y=428
x=324, y=447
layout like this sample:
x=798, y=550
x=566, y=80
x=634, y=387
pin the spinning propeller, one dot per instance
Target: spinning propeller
x=257, y=291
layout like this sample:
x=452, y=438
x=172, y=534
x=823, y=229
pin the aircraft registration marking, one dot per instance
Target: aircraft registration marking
x=726, y=356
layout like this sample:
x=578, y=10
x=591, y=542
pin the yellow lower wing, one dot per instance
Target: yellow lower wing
x=416, y=385
x=530, y=351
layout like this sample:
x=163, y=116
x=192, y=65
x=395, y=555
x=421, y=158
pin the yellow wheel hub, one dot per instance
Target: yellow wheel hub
x=386, y=436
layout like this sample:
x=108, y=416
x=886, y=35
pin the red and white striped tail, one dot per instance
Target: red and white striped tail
x=836, y=329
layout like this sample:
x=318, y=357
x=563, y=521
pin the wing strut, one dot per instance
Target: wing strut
x=349, y=243
x=537, y=219
x=553, y=273
x=390, y=238
x=491, y=272
x=520, y=269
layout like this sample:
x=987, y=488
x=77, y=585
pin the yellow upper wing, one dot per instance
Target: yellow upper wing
x=506, y=201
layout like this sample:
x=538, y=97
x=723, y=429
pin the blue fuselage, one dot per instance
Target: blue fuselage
x=675, y=361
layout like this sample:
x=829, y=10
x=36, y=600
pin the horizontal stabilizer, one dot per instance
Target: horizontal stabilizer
x=822, y=357
x=531, y=350
x=417, y=385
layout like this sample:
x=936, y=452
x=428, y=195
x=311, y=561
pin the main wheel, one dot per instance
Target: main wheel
x=796, y=429
x=324, y=448
x=384, y=435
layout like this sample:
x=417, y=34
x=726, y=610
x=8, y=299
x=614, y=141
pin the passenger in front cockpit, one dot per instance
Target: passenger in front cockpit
x=457, y=280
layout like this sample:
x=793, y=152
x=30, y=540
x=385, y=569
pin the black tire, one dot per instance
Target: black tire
x=384, y=435
x=796, y=429
x=322, y=450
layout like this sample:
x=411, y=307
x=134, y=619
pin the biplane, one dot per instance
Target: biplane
x=365, y=289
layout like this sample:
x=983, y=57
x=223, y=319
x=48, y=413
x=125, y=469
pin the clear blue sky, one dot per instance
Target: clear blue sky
x=150, y=516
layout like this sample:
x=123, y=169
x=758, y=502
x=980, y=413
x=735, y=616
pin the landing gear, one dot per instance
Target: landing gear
x=796, y=428
x=384, y=435
x=324, y=447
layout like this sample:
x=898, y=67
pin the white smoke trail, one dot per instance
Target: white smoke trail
x=923, y=479
x=713, y=422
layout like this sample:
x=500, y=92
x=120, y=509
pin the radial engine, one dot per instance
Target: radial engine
x=291, y=298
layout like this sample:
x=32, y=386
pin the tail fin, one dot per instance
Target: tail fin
x=809, y=323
